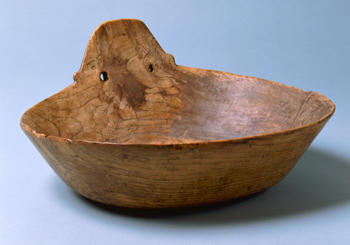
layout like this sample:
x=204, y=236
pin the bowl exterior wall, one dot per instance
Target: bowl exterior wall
x=162, y=176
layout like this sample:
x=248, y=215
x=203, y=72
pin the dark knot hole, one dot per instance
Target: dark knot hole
x=104, y=76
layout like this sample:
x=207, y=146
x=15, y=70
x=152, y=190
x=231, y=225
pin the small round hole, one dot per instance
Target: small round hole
x=103, y=76
x=150, y=68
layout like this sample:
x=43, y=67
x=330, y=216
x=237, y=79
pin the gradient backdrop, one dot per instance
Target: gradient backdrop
x=302, y=43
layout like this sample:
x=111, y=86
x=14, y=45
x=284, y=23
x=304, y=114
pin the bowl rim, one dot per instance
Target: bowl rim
x=28, y=129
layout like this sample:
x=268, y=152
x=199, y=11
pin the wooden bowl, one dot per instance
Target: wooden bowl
x=137, y=130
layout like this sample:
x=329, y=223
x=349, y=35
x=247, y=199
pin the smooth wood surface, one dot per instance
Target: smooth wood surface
x=137, y=130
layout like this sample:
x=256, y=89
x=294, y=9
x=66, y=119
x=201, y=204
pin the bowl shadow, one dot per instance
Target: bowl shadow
x=319, y=181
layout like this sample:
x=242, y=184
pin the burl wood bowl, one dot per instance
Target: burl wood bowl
x=137, y=130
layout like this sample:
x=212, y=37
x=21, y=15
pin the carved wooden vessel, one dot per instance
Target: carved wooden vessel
x=137, y=130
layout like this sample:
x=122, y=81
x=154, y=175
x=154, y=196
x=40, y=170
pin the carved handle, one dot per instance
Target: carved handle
x=124, y=49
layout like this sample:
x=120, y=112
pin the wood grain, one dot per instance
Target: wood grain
x=137, y=130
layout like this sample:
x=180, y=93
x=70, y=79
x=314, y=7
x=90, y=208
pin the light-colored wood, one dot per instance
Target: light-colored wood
x=137, y=130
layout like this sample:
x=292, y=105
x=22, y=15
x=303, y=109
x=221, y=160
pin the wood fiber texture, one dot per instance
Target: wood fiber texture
x=137, y=130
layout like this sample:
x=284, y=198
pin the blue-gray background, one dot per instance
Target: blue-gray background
x=302, y=43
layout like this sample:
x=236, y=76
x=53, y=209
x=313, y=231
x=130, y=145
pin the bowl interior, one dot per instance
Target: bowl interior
x=217, y=107
x=129, y=90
